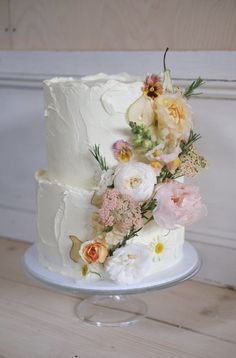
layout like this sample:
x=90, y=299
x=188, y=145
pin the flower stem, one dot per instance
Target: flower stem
x=164, y=58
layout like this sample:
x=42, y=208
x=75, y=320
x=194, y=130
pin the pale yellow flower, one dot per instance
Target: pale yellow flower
x=174, y=117
x=161, y=155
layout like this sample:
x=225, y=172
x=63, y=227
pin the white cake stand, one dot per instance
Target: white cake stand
x=111, y=304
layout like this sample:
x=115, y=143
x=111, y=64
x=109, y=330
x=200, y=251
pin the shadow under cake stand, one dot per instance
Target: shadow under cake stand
x=110, y=304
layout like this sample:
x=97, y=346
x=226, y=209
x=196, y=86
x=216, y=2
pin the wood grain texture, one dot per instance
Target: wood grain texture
x=190, y=320
x=123, y=24
x=4, y=26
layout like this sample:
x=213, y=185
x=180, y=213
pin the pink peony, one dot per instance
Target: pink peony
x=177, y=204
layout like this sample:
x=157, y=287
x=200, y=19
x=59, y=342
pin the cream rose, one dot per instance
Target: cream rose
x=136, y=180
x=93, y=251
x=174, y=116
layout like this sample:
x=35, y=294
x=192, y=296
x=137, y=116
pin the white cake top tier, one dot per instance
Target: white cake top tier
x=83, y=112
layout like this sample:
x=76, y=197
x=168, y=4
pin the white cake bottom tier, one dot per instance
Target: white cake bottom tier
x=64, y=210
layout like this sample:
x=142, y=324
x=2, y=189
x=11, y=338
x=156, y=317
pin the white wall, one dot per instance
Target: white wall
x=22, y=146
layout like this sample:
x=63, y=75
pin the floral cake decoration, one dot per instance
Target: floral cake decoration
x=146, y=184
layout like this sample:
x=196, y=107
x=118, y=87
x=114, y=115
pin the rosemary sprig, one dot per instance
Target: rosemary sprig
x=145, y=207
x=177, y=174
x=186, y=146
x=108, y=229
x=95, y=151
x=189, y=91
x=128, y=236
x=164, y=174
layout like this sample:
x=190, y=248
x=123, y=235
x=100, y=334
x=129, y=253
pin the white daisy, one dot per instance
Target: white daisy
x=161, y=247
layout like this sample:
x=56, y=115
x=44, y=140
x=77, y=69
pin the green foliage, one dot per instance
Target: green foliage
x=164, y=174
x=187, y=146
x=95, y=151
x=108, y=228
x=142, y=137
x=96, y=273
x=148, y=206
x=128, y=236
x=189, y=91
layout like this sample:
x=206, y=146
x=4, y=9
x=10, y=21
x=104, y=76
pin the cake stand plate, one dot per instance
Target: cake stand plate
x=110, y=305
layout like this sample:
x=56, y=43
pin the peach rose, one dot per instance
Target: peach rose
x=177, y=204
x=93, y=252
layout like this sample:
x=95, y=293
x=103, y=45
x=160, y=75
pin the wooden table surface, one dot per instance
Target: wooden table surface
x=189, y=320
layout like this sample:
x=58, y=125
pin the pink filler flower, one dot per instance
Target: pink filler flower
x=177, y=204
x=120, y=210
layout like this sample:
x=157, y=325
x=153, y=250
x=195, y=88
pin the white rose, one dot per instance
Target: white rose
x=129, y=264
x=135, y=179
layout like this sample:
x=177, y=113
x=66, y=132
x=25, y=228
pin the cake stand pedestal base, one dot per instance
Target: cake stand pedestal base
x=111, y=310
x=110, y=304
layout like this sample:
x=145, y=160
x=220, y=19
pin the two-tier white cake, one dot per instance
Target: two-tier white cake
x=78, y=114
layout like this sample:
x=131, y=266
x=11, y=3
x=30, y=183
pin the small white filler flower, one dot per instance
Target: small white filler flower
x=105, y=180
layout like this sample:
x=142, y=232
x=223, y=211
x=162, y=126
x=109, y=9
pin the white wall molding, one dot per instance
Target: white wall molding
x=184, y=64
x=212, y=89
x=224, y=239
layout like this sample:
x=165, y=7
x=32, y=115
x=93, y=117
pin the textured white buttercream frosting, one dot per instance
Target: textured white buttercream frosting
x=64, y=210
x=80, y=113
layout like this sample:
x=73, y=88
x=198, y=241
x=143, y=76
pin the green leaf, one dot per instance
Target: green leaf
x=189, y=91
x=148, y=206
x=186, y=146
x=95, y=151
x=108, y=228
x=142, y=137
